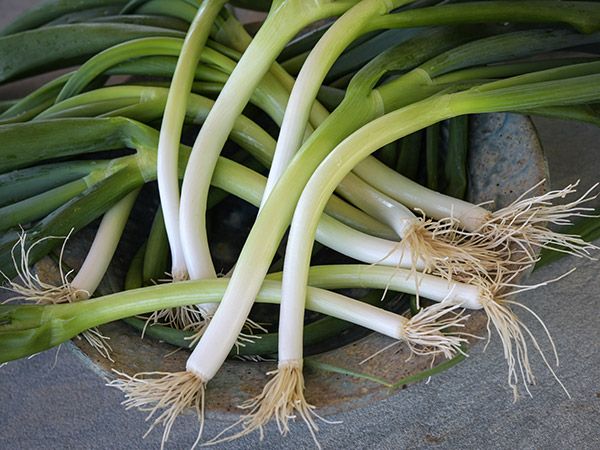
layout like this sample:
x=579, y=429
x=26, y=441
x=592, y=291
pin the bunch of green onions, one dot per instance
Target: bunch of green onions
x=378, y=78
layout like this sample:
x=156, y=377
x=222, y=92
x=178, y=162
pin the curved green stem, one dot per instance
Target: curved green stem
x=175, y=8
x=28, y=329
x=584, y=16
x=154, y=264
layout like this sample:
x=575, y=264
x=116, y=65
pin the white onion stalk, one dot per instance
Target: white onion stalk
x=440, y=245
x=29, y=287
x=273, y=98
x=378, y=133
x=371, y=137
x=233, y=34
x=222, y=332
x=154, y=391
x=283, y=395
x=249, y=186
x=168, y=158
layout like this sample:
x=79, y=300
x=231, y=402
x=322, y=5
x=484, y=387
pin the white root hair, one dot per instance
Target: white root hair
x=29, y=288
x=98, y=341
x=521, y=227
x=195, y=319
x=448, y=251
x=282, y=398
x=433, y=331
x=181, y=317
x=513, y=332
x=246, y=336
x=443, y=248
x=171, y=392
x=424, y=334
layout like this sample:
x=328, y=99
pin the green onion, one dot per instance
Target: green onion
x=78, y=148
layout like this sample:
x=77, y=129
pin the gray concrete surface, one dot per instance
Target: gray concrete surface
x=54, y=401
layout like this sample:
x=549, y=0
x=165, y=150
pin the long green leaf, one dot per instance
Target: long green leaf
x=50, y=10
x=44, y=49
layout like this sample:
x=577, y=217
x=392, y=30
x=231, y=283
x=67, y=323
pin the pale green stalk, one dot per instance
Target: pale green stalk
x=377, y=204
x=296, y=263
x=39, y=205
x=344, y=30
x=35, y=102
x=232, y=33
x=422, y=82
x=249, y=186
x=229, y=176
x=138, y=48
x=434, y=204
x=22, y=184
x=30, y=288
x=350, y=26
